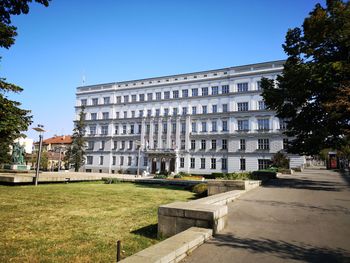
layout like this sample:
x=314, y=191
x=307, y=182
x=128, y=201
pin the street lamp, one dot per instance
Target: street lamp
x=41, y=130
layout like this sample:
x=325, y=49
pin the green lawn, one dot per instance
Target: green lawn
x=79, y=222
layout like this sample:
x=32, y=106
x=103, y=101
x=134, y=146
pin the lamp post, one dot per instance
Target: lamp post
x=41, y=130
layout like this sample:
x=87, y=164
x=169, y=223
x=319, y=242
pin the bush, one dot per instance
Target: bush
x=200, y=190
x=184, y=174
x=178, y=175
x=238, y=176
x=160, y=176
x=218, y=175
x=111, y=180
x=208, y=176
x=264, y=175
x=280, y=160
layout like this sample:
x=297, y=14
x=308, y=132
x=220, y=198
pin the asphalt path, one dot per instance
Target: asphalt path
x=303, y=217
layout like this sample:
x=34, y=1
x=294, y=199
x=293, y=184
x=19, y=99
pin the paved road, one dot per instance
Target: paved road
x=298, y=218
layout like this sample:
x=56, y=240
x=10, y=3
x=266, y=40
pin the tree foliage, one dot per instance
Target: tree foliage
x=76, y=153
x=13, y=119
x=280, y=160
x=313, y=91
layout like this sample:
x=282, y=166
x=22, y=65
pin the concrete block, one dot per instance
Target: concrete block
x=166, y=226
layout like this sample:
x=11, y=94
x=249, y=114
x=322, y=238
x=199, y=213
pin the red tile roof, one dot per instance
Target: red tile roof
x=65, y=139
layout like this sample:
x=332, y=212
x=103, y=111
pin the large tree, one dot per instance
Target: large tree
x=13, y=119
x=313, y=91
x=76, y=153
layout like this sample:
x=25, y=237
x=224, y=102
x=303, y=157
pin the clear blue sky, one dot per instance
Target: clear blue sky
x=114, y=40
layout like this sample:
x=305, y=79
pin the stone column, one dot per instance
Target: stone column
x=159, y=138
x=169, y=132
x=178, y=134
x=151, y=134
x=187, y=133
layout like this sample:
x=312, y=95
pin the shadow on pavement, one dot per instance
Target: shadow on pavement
x=305, y=184
x=282, y=249
x=346, y=176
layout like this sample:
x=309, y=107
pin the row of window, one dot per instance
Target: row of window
x=241, y=106
x=175, y=94
x=263, y=144
x=262, y=163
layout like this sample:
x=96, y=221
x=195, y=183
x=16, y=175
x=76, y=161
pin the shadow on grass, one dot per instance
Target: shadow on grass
x=285, y=250
x=149, y=231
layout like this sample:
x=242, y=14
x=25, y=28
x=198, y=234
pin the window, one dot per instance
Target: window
x=157, y=112
x=133, y=98
x=132, y=128
x=129, y=160
x=225, y=89
x=224, y=144
x=193, y=164
x=89, y=159
x=131, y=144
x=83, y=102
x=148, y=128
x=92, y=130
x=194, y=127
x=121, y=160
x=263, y=124
x=224, y=126
x=214, y=126
x=166, y=95
x=125, y=114
x=126, y=98
x=183, y=144
x=117, y=114
x=205, y=91
x=114, y=160
x=204, y=110
x=90, y=145
x=94, y=101
x=122, y=145
x=140, y=113
x=139, y=129
x=242, y=87
x=173, y=127
x=215, y=90
x=115, y=145
x=156, y=128
x=166, y=112
x=213, y=144
x=283, y=124
x=224, y=107
x=204, y=126
x=145, y=161
x=158, y=96
x=242, y=144
x=175, y=94
x=193, y=144
x=182, y=162
x=174, y=111
x=194, y=110
x=285, y=144
x=106, y=100
x=263, y=144
x=215, y=108
x=165, y=127
x=184, y=110
x=101, y=160
x=102, y=146
x=223, y=164
x=194, y=92
x=243, y=125
x=93, y=116
x=142, y=97
x=104, y=129
x=258, y=85
x=183, y=127
x=124, y=129
x=116, y=129
x=149, y=113
x=242, y=164
x=119, y=99
x=202, y=163
x=213, y=163
x=263, y=164
x=185, y=93
x=203, y=144
x=105, y=115
x=242, y=106
x=149, y=96
x=261, y=105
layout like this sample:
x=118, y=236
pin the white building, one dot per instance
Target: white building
x=200, y=123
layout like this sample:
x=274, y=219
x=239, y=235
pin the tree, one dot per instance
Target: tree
x=280, y=160
x=13, y=119
x=76, y=153
x=313, y=92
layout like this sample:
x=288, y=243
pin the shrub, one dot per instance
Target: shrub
x=264, y=175
x=284, y=171
x=238, y=176
x=160, y=176
x=184, y=174
x=200, y=190
x=208, y=176
x=218, y=175
x=280, y=160
x=111, y=180
x=178, y=175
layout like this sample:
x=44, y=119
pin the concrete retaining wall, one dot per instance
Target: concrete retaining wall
x=222, y=186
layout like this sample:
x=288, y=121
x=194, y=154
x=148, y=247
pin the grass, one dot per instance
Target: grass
x=79, y=222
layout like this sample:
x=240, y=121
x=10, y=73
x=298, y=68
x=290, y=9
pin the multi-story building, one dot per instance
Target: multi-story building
x=200, y=123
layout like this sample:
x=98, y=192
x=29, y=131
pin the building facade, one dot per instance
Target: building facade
x=199, y=123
